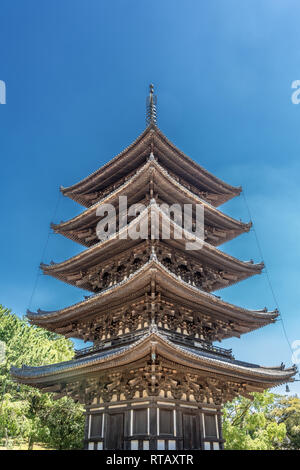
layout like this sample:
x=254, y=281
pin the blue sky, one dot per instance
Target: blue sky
x=77, y=75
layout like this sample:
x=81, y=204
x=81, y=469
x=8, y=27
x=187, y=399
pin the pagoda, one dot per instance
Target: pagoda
x=153, y=377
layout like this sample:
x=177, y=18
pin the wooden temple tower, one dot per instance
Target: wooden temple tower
x=153, y=378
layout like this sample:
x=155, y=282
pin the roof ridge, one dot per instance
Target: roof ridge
x=165, y=172
x=135, y=221
x=154, y=260
x=30, y=371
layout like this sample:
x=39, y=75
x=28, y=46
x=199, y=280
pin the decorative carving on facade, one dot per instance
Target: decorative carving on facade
x=139, y=315
x=197, y=274
x=155, y=380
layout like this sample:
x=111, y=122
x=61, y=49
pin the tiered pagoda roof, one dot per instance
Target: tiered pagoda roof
x=79, y=269
x=171, y=286
x=254, y=377
x=121, y=167
x=152, y=177
x=151, y=299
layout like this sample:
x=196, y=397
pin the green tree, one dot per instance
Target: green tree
x=287, y=411
x=65, y=423
x=250, y=425
x=24, y=411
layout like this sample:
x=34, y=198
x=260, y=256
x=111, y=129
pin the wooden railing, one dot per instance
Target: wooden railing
x=198, y=343
x=175, y=337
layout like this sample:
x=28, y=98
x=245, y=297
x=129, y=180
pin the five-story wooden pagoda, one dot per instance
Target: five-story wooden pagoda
x=153, y=378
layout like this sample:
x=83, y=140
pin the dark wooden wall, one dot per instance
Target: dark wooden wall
x=152, y=425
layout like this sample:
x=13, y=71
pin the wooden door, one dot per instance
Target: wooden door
x=114, y=438
x=191, y=435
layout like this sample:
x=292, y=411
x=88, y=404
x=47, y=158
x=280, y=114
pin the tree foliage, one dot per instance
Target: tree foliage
x=64, y=421
x=26, y=413
x=287, y=411
x=253, y=424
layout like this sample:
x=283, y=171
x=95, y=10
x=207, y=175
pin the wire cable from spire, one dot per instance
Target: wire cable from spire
x=151, y=102
x=267, y=274
x=43, y=253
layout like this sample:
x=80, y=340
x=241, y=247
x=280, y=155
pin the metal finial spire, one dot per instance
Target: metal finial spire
x=151, y=107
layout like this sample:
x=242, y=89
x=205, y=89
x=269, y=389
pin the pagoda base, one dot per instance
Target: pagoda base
x=153, y=423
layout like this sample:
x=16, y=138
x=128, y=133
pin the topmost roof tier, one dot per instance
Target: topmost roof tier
x=189, y=173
